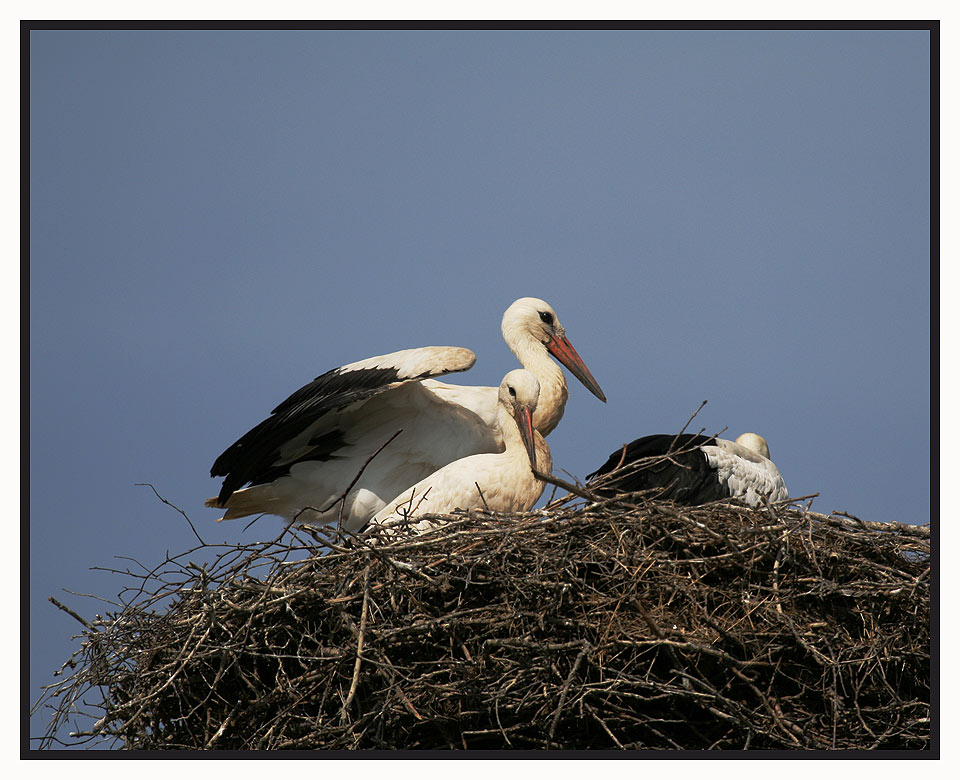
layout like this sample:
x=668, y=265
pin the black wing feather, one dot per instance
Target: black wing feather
x=253, y=457
x=678, y=471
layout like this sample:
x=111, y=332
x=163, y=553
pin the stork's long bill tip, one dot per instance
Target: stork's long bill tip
x=524, y=418
x=561, y=348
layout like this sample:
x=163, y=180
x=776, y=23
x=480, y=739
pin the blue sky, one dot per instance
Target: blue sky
x=218, y=217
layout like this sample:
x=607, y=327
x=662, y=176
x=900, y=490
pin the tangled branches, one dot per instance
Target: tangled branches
x=590, y=625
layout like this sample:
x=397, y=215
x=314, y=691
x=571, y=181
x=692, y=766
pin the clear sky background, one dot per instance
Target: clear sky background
x=216, y=218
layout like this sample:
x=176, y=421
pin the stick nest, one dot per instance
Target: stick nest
x=589, y=625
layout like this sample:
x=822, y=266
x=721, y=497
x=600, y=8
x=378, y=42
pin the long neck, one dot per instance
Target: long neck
x=553, y=387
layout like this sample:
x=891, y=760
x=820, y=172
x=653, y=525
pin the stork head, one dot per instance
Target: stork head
x=755, y=442
x=533, y=318
x=519, y=392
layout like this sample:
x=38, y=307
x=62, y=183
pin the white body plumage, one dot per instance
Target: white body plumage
x=744, y=469
x=500, y=482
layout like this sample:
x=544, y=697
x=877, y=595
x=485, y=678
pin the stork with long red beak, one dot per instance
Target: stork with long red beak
x=303, y=461
x=499, y=482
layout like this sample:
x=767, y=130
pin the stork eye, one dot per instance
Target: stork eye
x=546, y=317
x=513, y=392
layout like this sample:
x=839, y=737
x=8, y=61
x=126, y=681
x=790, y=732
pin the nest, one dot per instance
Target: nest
x=608, y=624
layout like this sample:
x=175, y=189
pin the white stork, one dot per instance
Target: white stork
x=692, y=470
x=302, y=459
x=500, y=482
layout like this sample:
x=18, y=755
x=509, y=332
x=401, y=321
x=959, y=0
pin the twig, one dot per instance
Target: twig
x=190, y=522
x=844, y=520
x=569, y=487
x=623, y=457
x=690, y=420
x=482, y=498
x=566, y=687
x=70, y=612
x=360, y=637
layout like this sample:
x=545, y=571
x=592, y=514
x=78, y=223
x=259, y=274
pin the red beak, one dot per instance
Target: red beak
x=563, y=351
x=524, y=417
